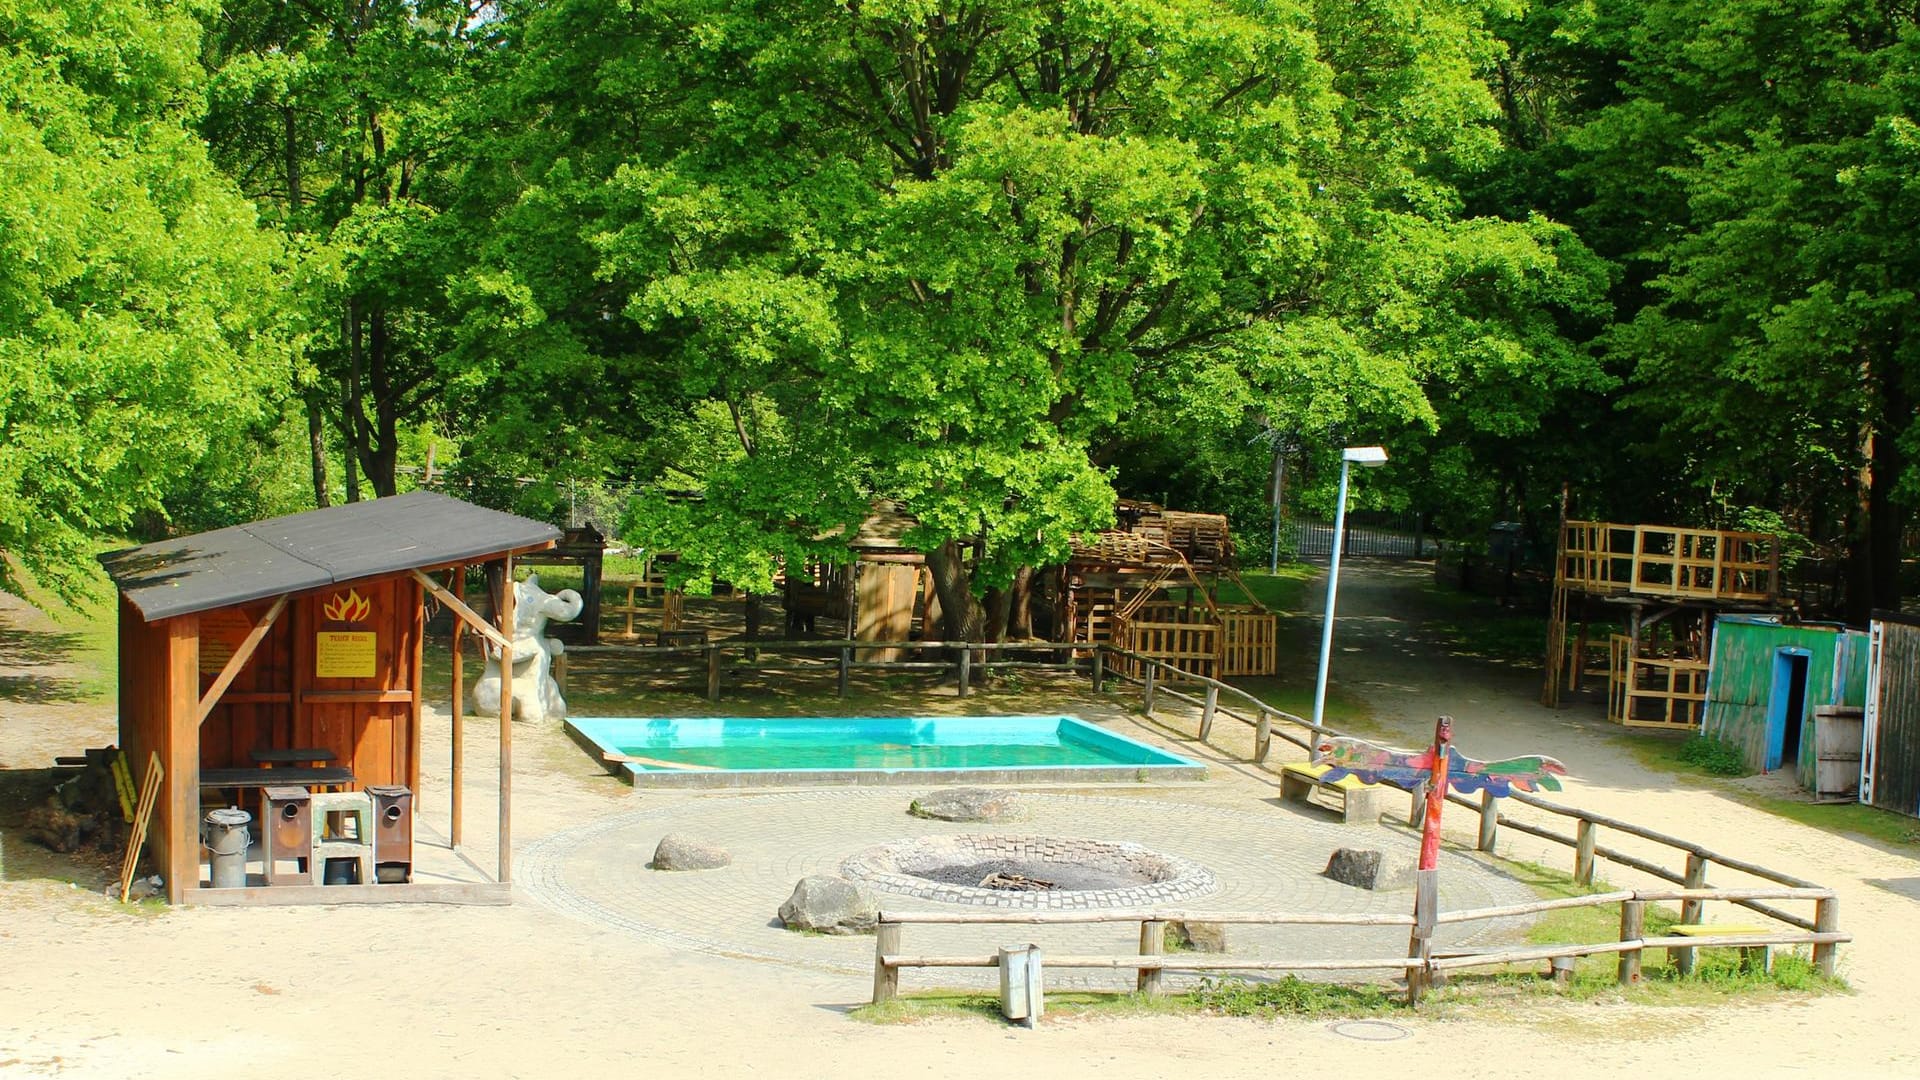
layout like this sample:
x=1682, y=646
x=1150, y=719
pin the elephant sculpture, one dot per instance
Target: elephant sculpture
x=535, y=694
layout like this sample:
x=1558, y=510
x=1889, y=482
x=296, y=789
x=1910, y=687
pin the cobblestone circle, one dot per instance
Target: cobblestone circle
x=1263, y=860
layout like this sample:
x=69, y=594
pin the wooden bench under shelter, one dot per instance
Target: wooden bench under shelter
x=1359, y=801
x=288, y=653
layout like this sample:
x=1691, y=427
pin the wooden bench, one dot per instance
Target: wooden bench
x=295, y=755
x=1359, y=801
x=1681, y=957
x=303, y=776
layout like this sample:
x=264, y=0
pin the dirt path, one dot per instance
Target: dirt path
x=428, y=991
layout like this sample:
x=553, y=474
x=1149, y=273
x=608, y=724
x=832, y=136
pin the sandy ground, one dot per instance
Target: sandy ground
x=89, y=990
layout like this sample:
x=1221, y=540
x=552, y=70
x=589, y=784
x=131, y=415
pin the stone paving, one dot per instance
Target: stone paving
x=1264, y=858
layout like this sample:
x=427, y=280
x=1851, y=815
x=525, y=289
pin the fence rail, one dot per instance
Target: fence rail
x=1151, y=962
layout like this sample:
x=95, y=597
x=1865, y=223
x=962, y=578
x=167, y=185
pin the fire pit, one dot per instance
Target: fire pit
x=1029, y=871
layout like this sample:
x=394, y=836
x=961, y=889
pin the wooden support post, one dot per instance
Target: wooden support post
x=506, y=720
x=1417, y=813
x=1489, y=820
x=1690, y=910
x=454, y=784
x=1426, y=912
x=1146, y=697
x=1584, y=837
x=1207, y=711
x=886, y=979
x=1826, y=920
x=1099, y=671
x=560, y=673
x=846, y=670
x=1633, y=921
x=965, y=672
x=1153, y=942
x=713, y=673
x=1262, y=737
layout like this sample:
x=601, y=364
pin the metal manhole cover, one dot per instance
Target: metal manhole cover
x=1369, y=1030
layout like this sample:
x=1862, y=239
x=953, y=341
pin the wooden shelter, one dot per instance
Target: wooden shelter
x=1789, y=697
x=1666, y=584
x=1118, y=587
x=251, y=655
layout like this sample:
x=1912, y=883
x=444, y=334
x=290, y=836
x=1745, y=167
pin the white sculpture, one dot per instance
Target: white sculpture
x=535, y=695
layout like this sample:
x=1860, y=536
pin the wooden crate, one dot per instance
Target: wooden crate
x=1250, y=642
x=1194, y=648
x=1654, y=691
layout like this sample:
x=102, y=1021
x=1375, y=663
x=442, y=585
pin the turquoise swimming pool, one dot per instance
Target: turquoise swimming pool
x=741, y=751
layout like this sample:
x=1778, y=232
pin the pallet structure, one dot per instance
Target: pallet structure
x=1120, y=587
x=1664, y=584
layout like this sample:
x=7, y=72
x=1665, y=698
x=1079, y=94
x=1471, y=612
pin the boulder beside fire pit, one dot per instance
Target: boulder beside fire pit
x=1364, y=868
x=826, y=904
x=967, y=804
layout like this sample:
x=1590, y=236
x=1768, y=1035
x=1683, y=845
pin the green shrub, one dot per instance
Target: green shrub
x=1714, y=756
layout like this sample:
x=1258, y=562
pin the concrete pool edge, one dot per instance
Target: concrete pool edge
x=782, y=778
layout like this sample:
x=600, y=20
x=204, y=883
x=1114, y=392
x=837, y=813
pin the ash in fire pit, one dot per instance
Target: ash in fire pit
x=1029, y=871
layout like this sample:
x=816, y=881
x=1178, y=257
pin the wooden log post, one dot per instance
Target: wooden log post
x=965, y=673
x=1691, y=910
x=1584, y=838
x=456, y=782
x=1262, y=737
x=1417, y=812
x=1207, y=711
x=1099, y=671
x=1826, y=920
x=1426, y=912
x=1633, y=921
x=886, y=977
x=560, y=673
x=713, y=673
x=504, y=863
x=1146, y=697
x=846, y=670
x=1489, y=820
x=1153, y=942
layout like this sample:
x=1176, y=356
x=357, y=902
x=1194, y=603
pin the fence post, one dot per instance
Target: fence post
x=1426, y=911
x=846, y=669
x=1633, y=921
x=1206, y=711
x=1690, y=910
x=1262, y=737
x=1489, y=820
x=886, y=977
x=966, y=669
x=1153, y=942
x=560, y=673
x=713, y=673
x=1146, y=704
x=1583, y=852
x=1826, y=920
x=1099, y=670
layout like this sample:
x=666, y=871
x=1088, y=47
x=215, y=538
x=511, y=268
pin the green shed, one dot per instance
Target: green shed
x=1765, y=681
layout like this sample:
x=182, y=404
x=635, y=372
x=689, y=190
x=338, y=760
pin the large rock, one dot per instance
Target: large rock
x=829, y=905
x=1366, y=869
x=678, y=851
x=1210, y=937
x=967, y=804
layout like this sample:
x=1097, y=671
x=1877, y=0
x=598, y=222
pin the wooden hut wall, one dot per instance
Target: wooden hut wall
x=1740, y=684
x=256, y=712
x=368, y=722
x=884, y=595
x=1893, y=720
x=158, y=707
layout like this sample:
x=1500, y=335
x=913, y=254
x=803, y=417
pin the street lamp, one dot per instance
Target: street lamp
x=1371, y=456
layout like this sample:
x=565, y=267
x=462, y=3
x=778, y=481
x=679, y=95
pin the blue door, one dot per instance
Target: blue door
x=1786, y=707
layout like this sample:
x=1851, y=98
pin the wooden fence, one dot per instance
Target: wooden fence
x=1422, y=967
x=1665, y=560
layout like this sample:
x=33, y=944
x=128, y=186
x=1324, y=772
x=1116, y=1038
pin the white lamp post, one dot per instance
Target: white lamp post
x=1364, y=455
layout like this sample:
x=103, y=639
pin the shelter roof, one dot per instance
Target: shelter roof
x=243, y=563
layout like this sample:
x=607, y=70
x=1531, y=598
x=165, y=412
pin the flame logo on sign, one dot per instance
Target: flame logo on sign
x=349, y=608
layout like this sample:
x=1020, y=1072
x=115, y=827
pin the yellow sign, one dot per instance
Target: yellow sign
x=344, y=654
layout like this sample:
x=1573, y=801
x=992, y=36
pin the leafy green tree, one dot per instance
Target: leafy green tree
x=138, y=301
x=951, y=254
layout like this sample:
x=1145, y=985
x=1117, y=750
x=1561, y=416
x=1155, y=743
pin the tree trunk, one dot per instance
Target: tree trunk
x=998, y=603
x=317, y=448
x=354, y=422
x=1020, y=619
x=383, y=444
x=959, y=609
x=1873, y=558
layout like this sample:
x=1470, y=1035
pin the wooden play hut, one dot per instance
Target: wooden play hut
x=1789, y=696
x=1120, y=586
x=287, y=653
x=1665, y=584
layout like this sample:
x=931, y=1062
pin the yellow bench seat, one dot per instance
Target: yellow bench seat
x=1359, y=800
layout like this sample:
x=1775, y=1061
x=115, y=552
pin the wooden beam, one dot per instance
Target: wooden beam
x=455, y=785
x=464, y=613
x=239, y=660
x=505, y=863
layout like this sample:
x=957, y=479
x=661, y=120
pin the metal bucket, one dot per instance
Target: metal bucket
x=225, y=835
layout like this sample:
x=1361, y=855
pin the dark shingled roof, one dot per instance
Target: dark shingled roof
x=298, y=552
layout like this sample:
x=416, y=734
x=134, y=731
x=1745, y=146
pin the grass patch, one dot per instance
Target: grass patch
x=1712, y=756
x=1871, y=822
x=85, y=636
x=1474, y=625
x=1283, y=590
x=939, y=1004
x=1293, y=996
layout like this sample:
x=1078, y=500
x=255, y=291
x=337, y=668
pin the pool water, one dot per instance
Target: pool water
x=842, y=745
